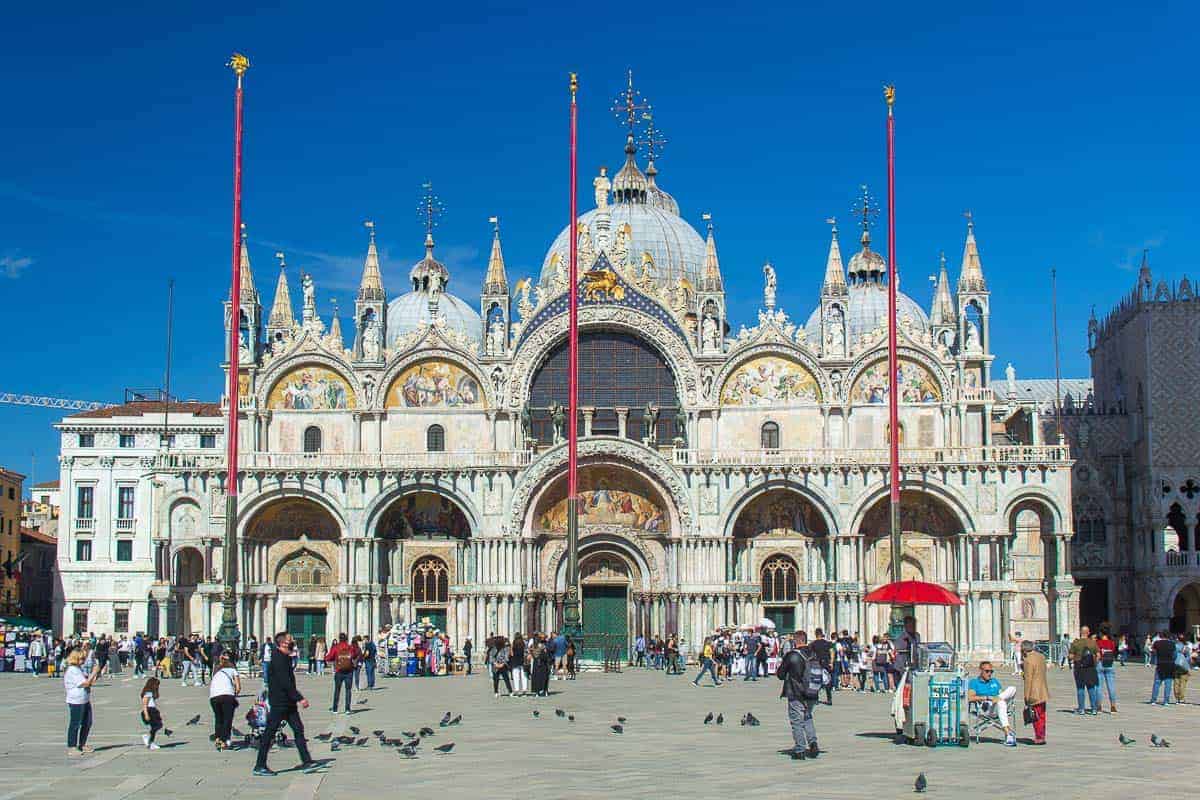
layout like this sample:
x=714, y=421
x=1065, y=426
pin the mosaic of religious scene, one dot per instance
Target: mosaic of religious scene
x=781, y=513
x=916, y=384
x=311, y=389
x=424, y=514
x=919, y=513
x=291, y=519
x=607, y=497
x=434, y=384
x=770, y=380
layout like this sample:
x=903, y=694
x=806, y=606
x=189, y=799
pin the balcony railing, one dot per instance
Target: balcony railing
x=978, y=394
x=1179, y=558
x=353, y=461
x=124, y=524
x=85, y=523
x=1002, y=454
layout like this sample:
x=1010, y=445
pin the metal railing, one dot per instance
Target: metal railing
x=1004, y=454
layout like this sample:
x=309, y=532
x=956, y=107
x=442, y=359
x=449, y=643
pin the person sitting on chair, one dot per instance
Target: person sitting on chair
x=986, y=691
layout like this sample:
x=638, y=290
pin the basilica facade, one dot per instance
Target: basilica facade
x=730, y=470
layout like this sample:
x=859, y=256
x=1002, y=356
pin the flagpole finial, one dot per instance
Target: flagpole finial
x=239, y=64
x=574, y=84
x=889, y=95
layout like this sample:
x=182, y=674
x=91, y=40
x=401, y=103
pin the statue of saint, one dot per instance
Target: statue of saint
x=558, y=417
x=769, y=286
x=711, y=334
x=681, y=428
x=371, y=343
x=972, y=339
x=602, y=184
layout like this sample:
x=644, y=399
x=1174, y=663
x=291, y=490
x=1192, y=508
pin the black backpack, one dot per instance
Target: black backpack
x=812, y=676
x=1087, y=659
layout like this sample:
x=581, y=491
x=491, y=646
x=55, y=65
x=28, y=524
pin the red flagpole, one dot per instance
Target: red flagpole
x=571, y=610
x=228, y=634
x=889, y=94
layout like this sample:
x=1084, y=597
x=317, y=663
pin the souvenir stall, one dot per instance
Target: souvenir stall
x=416, y=649
x=16, y=633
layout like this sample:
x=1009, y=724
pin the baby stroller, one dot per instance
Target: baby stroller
x=256, y=719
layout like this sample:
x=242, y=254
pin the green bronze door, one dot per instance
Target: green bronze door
x=605, y=612
x=305, y=623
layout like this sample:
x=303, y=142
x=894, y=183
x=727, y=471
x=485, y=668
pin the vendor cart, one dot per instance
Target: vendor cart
x=934, y=698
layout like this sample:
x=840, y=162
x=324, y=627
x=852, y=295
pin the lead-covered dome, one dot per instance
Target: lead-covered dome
x=867, y=301
x=429, y=298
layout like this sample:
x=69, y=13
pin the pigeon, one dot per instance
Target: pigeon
x=427, y=731
x=570, y=717
x=346, y=739
x=536, y=713
x=720, y=719
x=335, y=747
x=361, y=741
x=1156, y=741
x=194, y=720
x=321, y=737
x=445, y=748
x=617, y=728
x=407, y=752
x=558, y=712
x=621, y=720
x=414, y=743
x=362, y=702
x=709, y=718
x=752, y=720
x=920, y=785
x=457, y=720
x=445, y=720
x=377, y=733
x=409, y=734
x=355, y=730
x=1125, y=740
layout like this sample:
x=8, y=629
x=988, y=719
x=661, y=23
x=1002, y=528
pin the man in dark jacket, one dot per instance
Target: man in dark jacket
x=286, y=702
x=823, y=649
x=800, y=700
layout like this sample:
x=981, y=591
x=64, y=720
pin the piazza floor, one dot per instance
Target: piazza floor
x=501, y=750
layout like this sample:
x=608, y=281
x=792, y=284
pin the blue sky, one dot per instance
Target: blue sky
x=1069, y=131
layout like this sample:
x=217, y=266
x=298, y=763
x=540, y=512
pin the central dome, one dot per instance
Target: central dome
x=867, y=311
x=409, y=311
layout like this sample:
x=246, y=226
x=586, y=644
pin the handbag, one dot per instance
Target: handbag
x=1028, y=714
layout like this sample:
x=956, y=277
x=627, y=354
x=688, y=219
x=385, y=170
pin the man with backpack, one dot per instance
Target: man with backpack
x=345, y=658
x=803, y=676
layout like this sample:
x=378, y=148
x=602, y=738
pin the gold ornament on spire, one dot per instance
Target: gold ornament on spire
x=239, y=64
x=574, y=84
x=889, y=94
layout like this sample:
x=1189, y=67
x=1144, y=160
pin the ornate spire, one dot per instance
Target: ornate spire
x=371, y=287
x=496, y=280
x=711, y=281
x=629, y=184
x=866, y=266
x=942, y=312
x=1144, y=271
x=281, y=309
x=430, y=275
x=334, y=340
x=249, y=293
x=835, y=278
x=970, y=277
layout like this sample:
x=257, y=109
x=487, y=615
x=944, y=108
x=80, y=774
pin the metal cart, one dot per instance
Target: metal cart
x=934, y=698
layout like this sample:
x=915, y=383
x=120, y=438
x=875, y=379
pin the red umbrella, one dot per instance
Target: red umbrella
x=913, y=593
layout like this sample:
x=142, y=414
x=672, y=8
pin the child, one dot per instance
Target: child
x=150, y=715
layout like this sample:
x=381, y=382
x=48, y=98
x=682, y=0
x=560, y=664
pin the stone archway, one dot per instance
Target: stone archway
x=187, y=573
x=1185, y=609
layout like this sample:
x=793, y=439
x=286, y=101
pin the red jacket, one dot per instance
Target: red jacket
x=340, y=647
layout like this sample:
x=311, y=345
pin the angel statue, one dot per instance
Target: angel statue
x=769, y=286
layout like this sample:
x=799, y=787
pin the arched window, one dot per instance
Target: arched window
x=779, y=580
x=1089, y=523
x=770, y=436
x=312, y=439
x=430, y=581
x=435, y=439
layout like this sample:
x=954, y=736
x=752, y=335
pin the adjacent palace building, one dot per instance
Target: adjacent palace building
x=729, y=472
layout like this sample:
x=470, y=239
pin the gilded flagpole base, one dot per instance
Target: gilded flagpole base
x=228, y=634
x=572, y=616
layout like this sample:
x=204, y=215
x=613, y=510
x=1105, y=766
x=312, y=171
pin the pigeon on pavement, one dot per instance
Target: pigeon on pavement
x=720, y=719
x=751, y=720
x=361, y=742
x=621, y=720
x=194, y=720
x=354, y=730
x=445, y=720
x=377, y=733
x=709, y=718
x=445, y=748
x=427, y=731
x=409, y=734
x=920, y=784
x=1158, y=741
x=323, y=737
x=617, y=728
x=407, y=752
x=455, y=721
x=362, y=702
x=558, y=712
x=536, y=713
x=570, y=717
x=1125, y=740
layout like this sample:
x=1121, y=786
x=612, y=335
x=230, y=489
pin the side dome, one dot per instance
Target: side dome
x=867, y=311
x=408, y=311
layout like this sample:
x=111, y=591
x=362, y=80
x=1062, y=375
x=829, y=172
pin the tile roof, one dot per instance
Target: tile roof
x=38, y=536
x=140, y=408
x=46, y=485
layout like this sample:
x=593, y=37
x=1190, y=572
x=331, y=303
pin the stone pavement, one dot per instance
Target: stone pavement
x=501, y=750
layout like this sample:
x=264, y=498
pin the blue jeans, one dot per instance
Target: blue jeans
x=1093, y=695
x=708, y=666
x=879, y=680
x=341, y=679
x=1108, y=680
x=79, y=724
x=370, y=667
x=1167, y=683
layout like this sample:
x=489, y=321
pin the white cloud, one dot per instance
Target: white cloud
x=11, y=265
x=1132, y=259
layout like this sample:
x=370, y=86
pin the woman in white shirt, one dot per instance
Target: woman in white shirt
x=78, y=685
x=150, y=714
x=223, y=690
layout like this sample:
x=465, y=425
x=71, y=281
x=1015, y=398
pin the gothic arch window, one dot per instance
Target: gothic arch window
x=779, y=580
x=1089, y=523
x=435, y=439
x=312, y=439
x=304, y=570
x=430, y=581
x=1178, y=522
x=769, y=436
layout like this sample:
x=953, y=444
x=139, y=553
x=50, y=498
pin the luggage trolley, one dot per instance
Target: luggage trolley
x=934, y=711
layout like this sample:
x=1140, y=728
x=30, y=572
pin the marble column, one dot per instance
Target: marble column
x=588, y=414
x=622, y=422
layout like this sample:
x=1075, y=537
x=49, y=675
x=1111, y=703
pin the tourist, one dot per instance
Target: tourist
x=1037, y=692
x=223, y=690
x=344, y=657
x=320, y=650
x=558, y=643
x=78, y=685
x=37, y=654
x=671, y=656
x=1084, y=655
x=881, y=661
x=1105, y=669
x=543, y=664
x=985, y=689
x=801, y=690
x=268, y=649
x=765, y=644
x=286, y=702
x=1148, y=649
x=150, y=714
x=187, y=665
x=139, y=655
x=1123, y=650
x=498, y=656
x=357, y=643
x=572, y=666
x=753, y=644
x=516, y=666
x=312, y=654
x=1163, y=651
x=370, y=651
x=467, y=650
x=707, y=663
x=101, y=650
x=1183, y=666
x=639, y=651
x=862, y=665
x=822, y=648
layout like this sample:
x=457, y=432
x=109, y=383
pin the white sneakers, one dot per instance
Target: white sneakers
x=146, y=740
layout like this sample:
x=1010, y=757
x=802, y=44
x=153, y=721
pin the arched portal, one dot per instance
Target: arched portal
x=617, y=370
x=1038, y=556
x=1185, y=611
x=611, y=498
x=930, y=552
x=188, y=573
